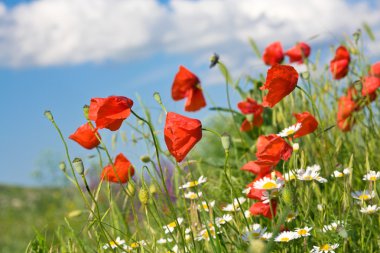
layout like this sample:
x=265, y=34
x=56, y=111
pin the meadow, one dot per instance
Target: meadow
x=292, y=167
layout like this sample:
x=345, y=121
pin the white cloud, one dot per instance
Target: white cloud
x=59, y=32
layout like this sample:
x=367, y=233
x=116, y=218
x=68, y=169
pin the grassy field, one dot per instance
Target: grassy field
x=25, y=211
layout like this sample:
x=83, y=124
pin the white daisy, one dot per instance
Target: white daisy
x=193, y=195
x=164, y=240
x=247, y=190
x=290, y=130
x=134, y=245
x=223, y=220
x=286, y=236
x=268, y=184
x=256, y=230
x=247, y=214
x=326, y=248
x=311, y=173
x=345, y=172
x=234, y=206
x=206, y=234
x=303, y=232
x=363, y=195
x=370, y=209
x=114, y=244
x=200, y=180
x=334, y=226
x=205, y=207
x=288, y=176
x=171, y=226
x=372, y=175
x=266, y=236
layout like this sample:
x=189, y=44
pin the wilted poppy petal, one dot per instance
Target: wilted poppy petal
x=120, y=172
x=181, y=134
x=308, y=124
x=273, y=54
x=281, y=81
x=85, y=136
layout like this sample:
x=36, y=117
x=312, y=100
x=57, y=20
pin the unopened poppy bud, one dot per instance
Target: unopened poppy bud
x=226, y=141
x=357, y=35
x=86, y=109
x=157, y=97
x=78, y=165
x=145, y=158
x=214, y=59
x=305, y=75
x=143, y=196
x=49, y=116
x=152, y=189
x=256, y=246
x=296, y=146
x=287, y=196
x=131, y=189
x=62, y=166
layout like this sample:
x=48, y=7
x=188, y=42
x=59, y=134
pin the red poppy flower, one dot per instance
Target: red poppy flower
x=85, y=136
x=181, y=134
x=110, y=112
x=299, y=52
x=339, y=65
x=258, y=167
x=259, y=208
x=187, y=85
x=256, y=193
x=370, y=85
x=281, y=81
x=273, y=54
x=308, y=124
x=120, y=172
x=273, y=148
x=252, y=108
x=375, y=69
x=346, y=106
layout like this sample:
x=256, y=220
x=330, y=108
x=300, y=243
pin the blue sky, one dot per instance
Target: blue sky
x=57, y=54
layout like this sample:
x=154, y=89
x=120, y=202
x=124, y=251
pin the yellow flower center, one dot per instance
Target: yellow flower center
x=172, y=225
x=308, y=178
x=326, y=247
x=113, y=243
x=284, y=239
x=269, y=185
x=302, y=232
x=290, y=131
x=255, y=234
x=373, y=178
x=364, y=197
x=192, y=184
x=135, y=245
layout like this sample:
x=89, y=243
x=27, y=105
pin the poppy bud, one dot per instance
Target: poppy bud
x=49, y=116
x=86, y=109
x=256, y=246
x=131, y=189
x=62, y=166
x=157, y=97
x=145, y=158
x=143, y=196
x=152, y=189
x=214, y=59
x=78, y=165
x=287, y=196
x=305, y=75
x=226, y=141
x=296, y=147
